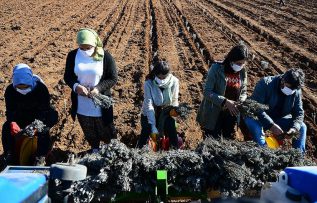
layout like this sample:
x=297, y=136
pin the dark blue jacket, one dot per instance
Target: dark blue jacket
x=267, y=92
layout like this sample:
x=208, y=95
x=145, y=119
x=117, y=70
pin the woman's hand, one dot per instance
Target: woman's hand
x=81, y=90
x=95, y=91
x=232, y=107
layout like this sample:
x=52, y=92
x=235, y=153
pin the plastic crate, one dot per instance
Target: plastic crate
x=23, y=184
x=303, y=179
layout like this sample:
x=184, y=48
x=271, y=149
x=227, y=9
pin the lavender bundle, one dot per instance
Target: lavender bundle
x=250, y=108
x=36, y=125
x=102, y=100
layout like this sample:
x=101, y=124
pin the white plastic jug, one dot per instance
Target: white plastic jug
x=280, y=192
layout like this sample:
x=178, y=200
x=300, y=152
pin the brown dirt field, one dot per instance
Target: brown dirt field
x=189, y=34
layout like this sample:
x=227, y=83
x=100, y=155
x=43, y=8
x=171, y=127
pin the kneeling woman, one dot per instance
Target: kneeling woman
x=226, y=84
x=161, y=90
x=27, y=99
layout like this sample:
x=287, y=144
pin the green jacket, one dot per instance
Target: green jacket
x=214, y=92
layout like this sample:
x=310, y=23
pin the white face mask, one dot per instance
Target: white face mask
x=88, y=52
x=161, y=82
x=236, y=67
x=287, y=91
x=25, y=91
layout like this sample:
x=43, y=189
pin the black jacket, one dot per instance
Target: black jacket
x=24, y=109
x=108, y=79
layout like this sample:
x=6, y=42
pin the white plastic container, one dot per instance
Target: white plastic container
x=280, y=192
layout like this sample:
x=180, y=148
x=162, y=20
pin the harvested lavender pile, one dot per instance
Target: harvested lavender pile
x=232, y=167
x=35, y=125
x=102, y=100
x=250, y=108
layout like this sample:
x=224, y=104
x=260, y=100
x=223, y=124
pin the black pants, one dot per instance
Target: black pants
x=95, y=130
x=169, y=131
x=224, y=126
x=7, y=138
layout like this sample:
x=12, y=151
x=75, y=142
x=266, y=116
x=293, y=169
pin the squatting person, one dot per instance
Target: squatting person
x=161, y=91
x=26, y=99
x=283, y=95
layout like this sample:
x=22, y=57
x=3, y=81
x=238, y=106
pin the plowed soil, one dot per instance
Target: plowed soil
x=189, y=34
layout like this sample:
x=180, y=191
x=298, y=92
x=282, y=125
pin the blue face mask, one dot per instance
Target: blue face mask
x=24, y=91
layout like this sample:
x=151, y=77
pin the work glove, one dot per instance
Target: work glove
x=173, y=112
x=153, y=138
x=14, y=128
